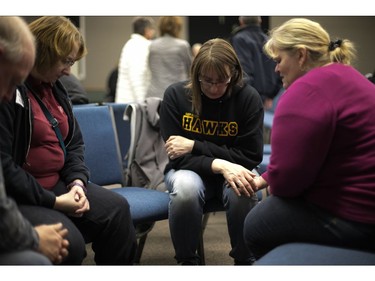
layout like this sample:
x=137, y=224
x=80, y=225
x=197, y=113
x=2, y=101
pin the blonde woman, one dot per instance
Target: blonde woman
x=170, y=57
x=322, y=168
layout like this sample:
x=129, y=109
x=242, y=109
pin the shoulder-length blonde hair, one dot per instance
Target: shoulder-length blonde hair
x=304, y=33
x=55, y=39
x=215, y=55
x=170, y=25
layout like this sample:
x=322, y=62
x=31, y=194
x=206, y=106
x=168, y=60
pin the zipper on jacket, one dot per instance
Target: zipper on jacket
x=30, y=130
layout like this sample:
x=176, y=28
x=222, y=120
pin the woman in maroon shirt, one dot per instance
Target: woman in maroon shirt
x=48, y=177
x=321, y=174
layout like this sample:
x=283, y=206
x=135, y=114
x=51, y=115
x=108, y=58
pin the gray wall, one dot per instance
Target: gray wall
x=106, y=35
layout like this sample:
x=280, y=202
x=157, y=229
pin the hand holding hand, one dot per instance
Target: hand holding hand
x=260, y=183
x=240, y=179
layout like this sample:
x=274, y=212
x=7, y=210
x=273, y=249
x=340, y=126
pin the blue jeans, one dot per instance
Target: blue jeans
x=188, y=193
x=276, y=221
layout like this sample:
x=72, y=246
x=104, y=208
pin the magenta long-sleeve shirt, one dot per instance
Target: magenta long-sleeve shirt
x=323, y=142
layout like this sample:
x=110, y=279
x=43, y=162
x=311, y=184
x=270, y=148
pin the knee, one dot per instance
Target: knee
x=77, y=248
x=235, y=202
x=119, y=203
x=117, y=211
x=187, y=186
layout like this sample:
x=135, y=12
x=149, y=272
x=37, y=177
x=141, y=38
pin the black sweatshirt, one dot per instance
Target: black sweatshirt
x=229, y=128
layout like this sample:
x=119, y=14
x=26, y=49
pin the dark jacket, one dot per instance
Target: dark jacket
x=16, y=233
x=229, y=128
x=75, y=89
x=248, y=43
x=16, y=130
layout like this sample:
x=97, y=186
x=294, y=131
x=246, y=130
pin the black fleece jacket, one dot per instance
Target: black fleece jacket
x=16, y=130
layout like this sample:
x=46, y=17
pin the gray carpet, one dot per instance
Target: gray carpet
x=159, y=250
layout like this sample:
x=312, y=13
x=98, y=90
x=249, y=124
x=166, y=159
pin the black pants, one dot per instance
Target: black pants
x=276, y=221
x=107, y=225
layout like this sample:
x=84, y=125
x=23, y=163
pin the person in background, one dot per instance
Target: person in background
x=75, y=89
x=47, y=177
x=170, y=57
x=321, y=173
x=248, y=41
x=20, y=242
x=213, y=128
x=133, y=71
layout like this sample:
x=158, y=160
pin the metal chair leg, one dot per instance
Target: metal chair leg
x=142, y=232
x=200, y=250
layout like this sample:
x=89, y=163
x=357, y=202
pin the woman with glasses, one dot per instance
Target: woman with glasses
x=212, y=125
x=44, y=168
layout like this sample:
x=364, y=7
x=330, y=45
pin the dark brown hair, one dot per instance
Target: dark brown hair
x=215, y=55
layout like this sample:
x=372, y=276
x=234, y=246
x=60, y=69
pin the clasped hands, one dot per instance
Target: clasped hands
x=73, y=203
x=240, y=179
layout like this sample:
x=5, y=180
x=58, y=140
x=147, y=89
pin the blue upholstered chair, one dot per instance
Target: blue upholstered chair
x=266, y=158
x=103, y=158
x=268, y=119
x=267, y=124
x=122, y=128
x=314, y=254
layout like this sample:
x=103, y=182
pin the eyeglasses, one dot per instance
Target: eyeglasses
x=218, y=84
x=68, y=62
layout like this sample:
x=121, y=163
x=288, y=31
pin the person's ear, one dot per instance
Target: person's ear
x=302, y=57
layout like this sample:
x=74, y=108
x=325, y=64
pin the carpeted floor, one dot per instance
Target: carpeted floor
x=159, y=250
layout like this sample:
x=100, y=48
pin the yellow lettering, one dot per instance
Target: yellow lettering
x=194, y=124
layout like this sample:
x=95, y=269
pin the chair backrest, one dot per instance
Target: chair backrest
x=268, y=119
x=102, y=151
x=122, y=128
